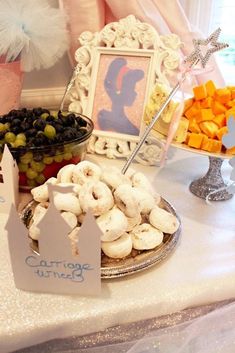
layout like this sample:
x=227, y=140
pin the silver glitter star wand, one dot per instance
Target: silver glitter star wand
x=194, y=58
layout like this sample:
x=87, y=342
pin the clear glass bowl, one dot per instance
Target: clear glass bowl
x=37, y=164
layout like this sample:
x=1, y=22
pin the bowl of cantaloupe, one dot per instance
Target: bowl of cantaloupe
x=204, y=121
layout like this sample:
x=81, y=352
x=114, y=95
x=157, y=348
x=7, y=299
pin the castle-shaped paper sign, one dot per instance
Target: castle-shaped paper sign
x=53, y=268
x=9, y=181
x=228, y=140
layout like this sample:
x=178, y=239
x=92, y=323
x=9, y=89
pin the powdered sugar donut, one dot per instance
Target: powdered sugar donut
x=113, y=178
x=64, y=175
x=146, y=237
x=39, y=213
x=145, y=200
x=112, y=224
x=125, y=200
x=97, y=197
x=67, y=202
x=40, y=193
x=139, y=180
x=81, y=217
x=70, y=219
x=85, y=171
x=118, y=249
x=163, y=220
x=133, y=221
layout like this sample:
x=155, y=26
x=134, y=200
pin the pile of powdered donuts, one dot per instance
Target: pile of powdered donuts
x=127, y=210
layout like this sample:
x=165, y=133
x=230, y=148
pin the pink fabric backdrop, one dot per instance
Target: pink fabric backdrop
x=11, y=78
x=165, y=16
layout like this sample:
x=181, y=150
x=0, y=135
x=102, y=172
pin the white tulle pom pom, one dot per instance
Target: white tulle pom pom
x=34, y=31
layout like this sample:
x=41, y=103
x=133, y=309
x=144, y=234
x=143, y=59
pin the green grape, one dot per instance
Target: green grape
x=21, y=136
x=7, y=125
x=37, y=166
x=31, y=174
x=59, y=158
x=26, y=158
x=40, y=179
x=49, y=131
x=67, y=148
x=19, y=142
x=77, y=151
x=2, y=127
x=54, y=113
x=32, y=183
x=10, y=137
x=47, y=160
x=44, y=115
x=68, y=156
x=22, y=167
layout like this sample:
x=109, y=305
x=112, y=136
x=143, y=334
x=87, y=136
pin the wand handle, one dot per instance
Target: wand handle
x=68, y=88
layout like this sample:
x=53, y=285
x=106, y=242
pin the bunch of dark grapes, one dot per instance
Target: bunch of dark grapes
x=40, y=127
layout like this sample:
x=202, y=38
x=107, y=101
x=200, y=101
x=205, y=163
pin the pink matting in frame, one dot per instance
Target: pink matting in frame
x=120, y=92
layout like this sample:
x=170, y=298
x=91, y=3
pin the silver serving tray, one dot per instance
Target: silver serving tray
x=137, y=261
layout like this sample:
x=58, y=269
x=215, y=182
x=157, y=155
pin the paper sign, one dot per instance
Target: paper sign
x=229, y=142
x=229, y=138
x=55, y=270
x=9, y=175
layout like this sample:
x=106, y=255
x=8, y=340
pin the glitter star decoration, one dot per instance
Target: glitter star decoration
x=210, y=44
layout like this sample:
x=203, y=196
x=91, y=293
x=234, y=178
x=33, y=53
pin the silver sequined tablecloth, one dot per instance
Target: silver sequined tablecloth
x=120, y=339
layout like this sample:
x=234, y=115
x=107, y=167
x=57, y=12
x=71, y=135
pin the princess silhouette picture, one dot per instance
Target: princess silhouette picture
x=120, y=92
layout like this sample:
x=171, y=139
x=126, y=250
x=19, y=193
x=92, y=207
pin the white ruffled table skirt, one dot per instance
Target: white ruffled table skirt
x=200, y=271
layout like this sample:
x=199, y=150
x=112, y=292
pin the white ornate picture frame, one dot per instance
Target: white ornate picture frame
x=125, y=36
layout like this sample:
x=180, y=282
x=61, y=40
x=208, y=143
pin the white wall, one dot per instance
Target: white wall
x=56, y=76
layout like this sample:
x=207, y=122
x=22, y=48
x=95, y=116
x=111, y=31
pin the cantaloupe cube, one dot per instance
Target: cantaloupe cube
x=205, y=115
x=230, y=150
x=218, y=108
x=221, y=132
x=188, y=103
x=209, y=128
x=205, y=143
x=230, y=104
x=215, y=146
x=223, y=95
x=230, y=112
x=197, y=104
x=211, y=145
x=220, y=120
x=195, y=140
x=207, y=102
x=193, y=126
x=210, y=88
x=200, y=92
x=191, y=112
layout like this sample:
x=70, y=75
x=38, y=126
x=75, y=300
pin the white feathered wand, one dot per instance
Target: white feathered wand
x=33, y=32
